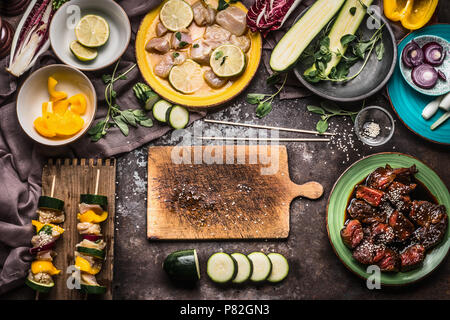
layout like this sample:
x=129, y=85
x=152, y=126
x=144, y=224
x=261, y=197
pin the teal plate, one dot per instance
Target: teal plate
x=408, y=103
x=337, y=204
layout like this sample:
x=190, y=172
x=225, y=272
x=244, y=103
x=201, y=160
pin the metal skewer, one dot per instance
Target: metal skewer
x=267, y=127
x=267, y=139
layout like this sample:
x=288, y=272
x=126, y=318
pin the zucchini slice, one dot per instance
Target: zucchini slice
x=178, y=117
x=44, y=288
x=102, y=201
x=262, y=266
x=90, y=289
x=182, y=265
x=221, y=267
x=280, y=267
x=50, y=203
x=294, y=42
x=92, y=252
x=160, y=109
x=345, y=24
x=244, y=266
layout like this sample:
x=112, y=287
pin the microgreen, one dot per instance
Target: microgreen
x=115, y=116
x=327, y=110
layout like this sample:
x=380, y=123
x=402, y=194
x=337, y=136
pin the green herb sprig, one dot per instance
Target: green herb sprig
x=58, y=3
x=115, y=116
x=264, y=105
x=327, y=110
x=223, y=4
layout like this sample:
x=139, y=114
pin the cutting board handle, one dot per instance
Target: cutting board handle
x=311, y=190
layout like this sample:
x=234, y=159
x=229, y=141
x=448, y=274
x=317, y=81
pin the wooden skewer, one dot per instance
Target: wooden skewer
x=268, y=127
x=267, y=139
x=97, y=181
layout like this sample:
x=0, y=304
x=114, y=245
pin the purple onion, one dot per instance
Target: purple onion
x=91, y=237
x=44, y=247
x=442, y=76
x=412, y=55
x=424, y=76
x=434, y=54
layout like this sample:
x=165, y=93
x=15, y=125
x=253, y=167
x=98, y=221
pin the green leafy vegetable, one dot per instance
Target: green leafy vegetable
x=58, y=3
x=327, y=110
x=115, y=116
x=264, y=105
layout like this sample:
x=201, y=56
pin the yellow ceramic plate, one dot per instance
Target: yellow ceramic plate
x=207, y=98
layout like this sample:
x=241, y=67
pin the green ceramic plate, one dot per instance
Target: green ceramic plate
x=338, y=201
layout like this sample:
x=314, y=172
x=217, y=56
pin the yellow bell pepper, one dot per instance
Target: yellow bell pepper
x=55, y=95
x=40, y=225
x=91, y=216
x=413, y=14
x=85, y=266
x=38, y=266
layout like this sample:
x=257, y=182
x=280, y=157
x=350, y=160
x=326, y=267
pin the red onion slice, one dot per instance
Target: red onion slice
x=44, y=247
x=412, y=55
x=434, y=54
x=91, y=237
x=424, y=76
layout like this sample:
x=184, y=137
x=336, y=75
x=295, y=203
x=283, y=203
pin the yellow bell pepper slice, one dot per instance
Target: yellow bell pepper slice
x=40, y=124
x=40, y=225
x=38, y=266
x=91, y=216
x=54, y=95
x=413, y=14
x=60, y=107
x=85, y=266
x=78, y=104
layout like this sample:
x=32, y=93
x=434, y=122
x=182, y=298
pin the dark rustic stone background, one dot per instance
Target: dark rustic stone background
x=316, y=272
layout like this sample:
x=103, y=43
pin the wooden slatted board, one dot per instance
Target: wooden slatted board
x=218, y=201
x=75, y=177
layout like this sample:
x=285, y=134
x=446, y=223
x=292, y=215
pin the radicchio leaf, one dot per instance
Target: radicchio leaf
x=268, y=15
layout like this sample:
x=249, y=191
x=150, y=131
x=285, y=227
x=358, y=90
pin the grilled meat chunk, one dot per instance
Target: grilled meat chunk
x=388, y=260
x=381, y=178
x=381, y=233
x=403, y=228
x=405, y=175
x=423, y=213
x=412, y=257
x=367, y=250
x=432, y=234
x=370, y=195
x=352, y=233
x=364, y=212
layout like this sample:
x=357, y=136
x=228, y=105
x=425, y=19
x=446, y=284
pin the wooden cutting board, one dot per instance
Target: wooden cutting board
x=72, y=178
x=246, y=197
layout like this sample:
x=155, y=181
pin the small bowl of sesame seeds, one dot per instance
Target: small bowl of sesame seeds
x=374, y=126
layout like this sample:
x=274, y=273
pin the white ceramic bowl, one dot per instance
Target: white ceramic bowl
x=34, y=92
x=62, y=32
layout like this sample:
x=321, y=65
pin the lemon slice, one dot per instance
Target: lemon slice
x=186, y=77
x=227, y=61
x=83, y=53
x=92, y=31
x=176, y=15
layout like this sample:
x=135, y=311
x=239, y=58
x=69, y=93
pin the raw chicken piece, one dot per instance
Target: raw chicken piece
x=242, y=42
x=162, y=69
x=233, y=19
x=178, y=57
x=160, y=29
x=203, y=14
x=100, y=245
x=216, y=36
x=200, y=52
x=46, y=255
x=50, y=216
x=83, y=207
x=88, y=228
x=42, y=239
x=180, y=40
x=212, y=80
x=41, y=277
x=88, y=279
x=158, y=44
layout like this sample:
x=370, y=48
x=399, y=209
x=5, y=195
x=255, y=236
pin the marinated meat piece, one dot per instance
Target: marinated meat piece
x=400, y=188
x=242, y=42
x=50, y=216
x=366, y=252
x=163, y=67
x=405, y=175
x=88, y=228
x=83, y=207
x=203, y=14
x=233, y=19
x=160, y=45
x=364, y=212
x=352, y=234
x=412, y=257
x=423, y=213
x=200, y=52
x=46, y=255
x=216, y=36
x=432, y=234
x=370, y=195
x=41, y=277
x=178, y=58
x=403, y=228
x=100, y=245
x=160, y=29
x=88, y=279
x=213, y=80
x=180, y=40
x=397, y=194
x=42, y=239
x=381, y=178
x=388, y=260
x=381, y=233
